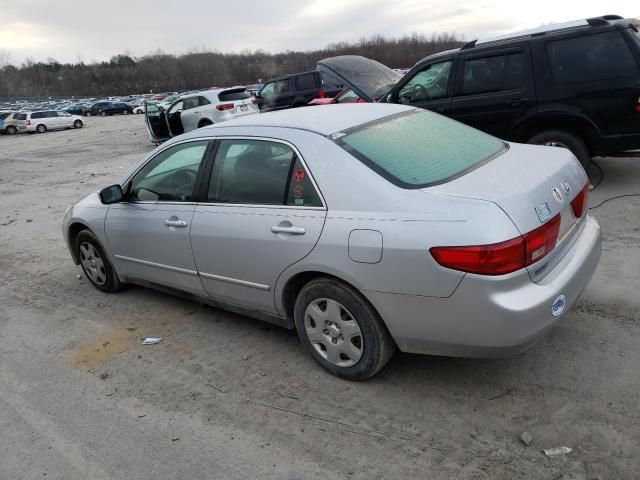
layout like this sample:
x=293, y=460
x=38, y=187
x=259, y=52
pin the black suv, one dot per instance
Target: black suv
x=107, y=108
x=575, y=85
x=294, y=90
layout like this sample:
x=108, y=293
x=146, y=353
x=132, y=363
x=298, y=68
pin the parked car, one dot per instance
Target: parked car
x=573, y=85
x=353, y=226
x=297, y=90
x=107, y=108
x=12, y=122
x=138, y=108
x=197, y=110
x=74, y=108
x=3, y=124
x=42, y=121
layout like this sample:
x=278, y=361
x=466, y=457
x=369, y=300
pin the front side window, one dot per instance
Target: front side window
x=170, y=176
x=259, y=172
x=418, y=149
x=306, y=82
x=591, y=58
x=429, y=83
x=281, y=86
x=267, y=89
x=494, y=74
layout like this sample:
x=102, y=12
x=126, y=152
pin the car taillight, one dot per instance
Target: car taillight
x=638, y=105
x=321, y=93
x=27, y=123
x=579, y=203
x=224, y=106
x=254, y=100
x=504, y=257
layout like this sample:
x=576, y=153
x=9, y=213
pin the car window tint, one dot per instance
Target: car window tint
x=233, y=95
x=306, y=82
x=429, y=83
x=52, y=114
x=170, y=175
x=203, y=101
x=418, y=148
x=301, y=191
x=20, y=116
x=494, y=74
x=590, y=58
x=190, y=102
x=267, y=89
x=331, y=81
x=251, y=172
x=34, y=115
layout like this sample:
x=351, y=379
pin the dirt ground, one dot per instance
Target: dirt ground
x=226, y=397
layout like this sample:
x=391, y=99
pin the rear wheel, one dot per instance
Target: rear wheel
x=88, y=114
x=125, y=112
x=103, y=113
x=341, y=330
x=11, y=130
x=95, y=264
x=205, y=123
x=564, y=139
x=41, y=128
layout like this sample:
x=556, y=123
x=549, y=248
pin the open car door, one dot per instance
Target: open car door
x=156, y=123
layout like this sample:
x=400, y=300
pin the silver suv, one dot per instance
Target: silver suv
x=45, y=120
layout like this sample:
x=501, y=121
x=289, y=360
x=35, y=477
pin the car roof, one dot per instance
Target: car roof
x=324, y=120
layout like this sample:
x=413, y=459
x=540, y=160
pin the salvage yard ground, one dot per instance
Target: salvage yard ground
x=225, y=397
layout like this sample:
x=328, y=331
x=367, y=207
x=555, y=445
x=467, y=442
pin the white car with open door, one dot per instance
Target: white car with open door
x=197, y=110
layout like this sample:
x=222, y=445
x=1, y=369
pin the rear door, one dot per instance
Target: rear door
x=156, y=123
x=263, y=213
x=307, y=86
x=427, y=87
x=494, y=89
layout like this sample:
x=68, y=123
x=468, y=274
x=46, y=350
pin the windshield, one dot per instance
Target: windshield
x=417, y=149
x=364, y=74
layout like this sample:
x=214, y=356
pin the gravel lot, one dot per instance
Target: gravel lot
x=225, y=397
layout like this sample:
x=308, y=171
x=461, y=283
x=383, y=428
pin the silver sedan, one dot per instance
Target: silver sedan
x=367, y=227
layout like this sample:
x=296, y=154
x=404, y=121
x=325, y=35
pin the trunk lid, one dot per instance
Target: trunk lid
x=531, y=184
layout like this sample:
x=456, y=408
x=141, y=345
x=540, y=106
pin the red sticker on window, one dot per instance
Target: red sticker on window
x=298, y=175
x=298, y=192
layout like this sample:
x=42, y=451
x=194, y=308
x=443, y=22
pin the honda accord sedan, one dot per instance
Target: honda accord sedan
x=366, y=227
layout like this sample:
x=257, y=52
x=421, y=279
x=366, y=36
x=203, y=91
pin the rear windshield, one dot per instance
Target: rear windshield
x=4, y=115
x=20, y=116
x=418, y=149
x=232, y=95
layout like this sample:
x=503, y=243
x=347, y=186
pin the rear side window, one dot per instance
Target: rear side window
x=306, y=82
x=37, y=115
x=494, y=74
x=418, y=149
x=231, y=95
x=20, y=116
x=591, y=58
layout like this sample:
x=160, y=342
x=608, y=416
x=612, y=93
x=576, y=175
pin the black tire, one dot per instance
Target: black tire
x=205, y=123
x=562, y=138
x=103, y=113
x=77, y=124
x=41, y=128
x=11, y=130
x=125, y=112
x=88, y=114
x=112, y=282
x=377, y=345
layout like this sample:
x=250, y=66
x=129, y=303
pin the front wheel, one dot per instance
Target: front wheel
x=341, y=330
x=95, y=264
x=104, y=114
x=77, y=124
x=125, y=112
x=564, y=139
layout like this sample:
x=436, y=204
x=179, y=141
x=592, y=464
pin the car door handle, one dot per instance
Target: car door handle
x=175, y=223
x=293, y=230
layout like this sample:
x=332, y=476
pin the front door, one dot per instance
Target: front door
x=190, y=115
x=494, y=90
x=263, y=213
x=149, y=233
x=156, y=123
x=428, y=88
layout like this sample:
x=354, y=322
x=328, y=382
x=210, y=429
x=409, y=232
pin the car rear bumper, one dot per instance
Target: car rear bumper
x=491, y=316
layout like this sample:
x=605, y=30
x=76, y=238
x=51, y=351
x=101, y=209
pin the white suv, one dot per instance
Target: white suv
x=48, y=120
x=199, y=109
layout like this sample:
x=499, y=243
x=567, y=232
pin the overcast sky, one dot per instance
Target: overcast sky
x=90, y=30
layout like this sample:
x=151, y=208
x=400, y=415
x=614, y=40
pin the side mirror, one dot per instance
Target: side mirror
x=112, y=194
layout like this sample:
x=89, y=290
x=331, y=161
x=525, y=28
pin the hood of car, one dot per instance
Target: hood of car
x=366, y=76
